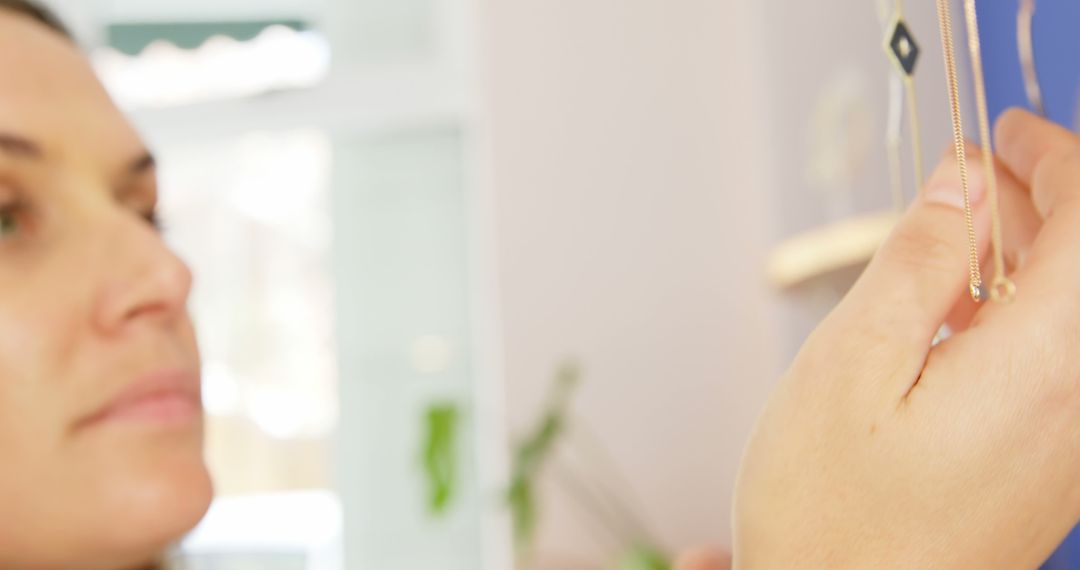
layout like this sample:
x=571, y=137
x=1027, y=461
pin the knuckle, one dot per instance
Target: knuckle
x=921, y=247
x=1053, y=166
x=1057, y=180
x=948, y=156
x=1007, y=127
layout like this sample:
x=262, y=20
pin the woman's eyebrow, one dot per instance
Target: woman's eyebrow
x=20, y=147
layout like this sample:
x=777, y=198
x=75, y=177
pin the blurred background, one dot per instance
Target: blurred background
x=486, y=284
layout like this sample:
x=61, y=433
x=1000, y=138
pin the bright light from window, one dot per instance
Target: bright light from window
x=164, y=75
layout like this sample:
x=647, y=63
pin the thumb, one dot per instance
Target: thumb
x=921, y=270
x=704, y=560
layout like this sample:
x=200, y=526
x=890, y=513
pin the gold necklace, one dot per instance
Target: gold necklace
x=1025, y=22
x=895, y=115
x=1002, y=290
x=904, y=52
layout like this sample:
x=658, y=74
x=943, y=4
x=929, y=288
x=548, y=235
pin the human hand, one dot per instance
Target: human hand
x=706, y=559
x=879, y=450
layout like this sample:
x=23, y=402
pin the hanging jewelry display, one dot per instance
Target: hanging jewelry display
x=894, y=140
x=1002, y=289
x=904, y=52
x=894, y=118
x=849, y=243
x=1025, y=22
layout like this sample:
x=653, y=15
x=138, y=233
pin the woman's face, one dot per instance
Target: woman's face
x=100, y=422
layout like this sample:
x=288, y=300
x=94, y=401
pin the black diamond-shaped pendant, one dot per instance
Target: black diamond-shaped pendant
x=903, y=47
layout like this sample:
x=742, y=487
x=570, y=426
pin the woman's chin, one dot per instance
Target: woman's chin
x=153, y=511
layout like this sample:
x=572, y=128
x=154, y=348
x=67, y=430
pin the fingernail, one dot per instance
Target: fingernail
x=946, y=189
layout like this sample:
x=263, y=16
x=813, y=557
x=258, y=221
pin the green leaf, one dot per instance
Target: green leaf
x=440, y=457
x=523, y=509
x=644, y=558
x=534, y=450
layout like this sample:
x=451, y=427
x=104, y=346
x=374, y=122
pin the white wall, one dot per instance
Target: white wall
x=647, y=156
x=631, y=191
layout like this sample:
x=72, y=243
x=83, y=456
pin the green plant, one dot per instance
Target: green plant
x=440, y=456
x=535, y=452
x=533, y=455
x=644, y=558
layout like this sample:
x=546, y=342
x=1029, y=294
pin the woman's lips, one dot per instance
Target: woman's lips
x=163, y=399
x=165, y=407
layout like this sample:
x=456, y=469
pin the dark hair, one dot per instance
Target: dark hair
x=38, y=13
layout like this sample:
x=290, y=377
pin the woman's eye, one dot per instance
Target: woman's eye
x=153, y=219
x=10, y=220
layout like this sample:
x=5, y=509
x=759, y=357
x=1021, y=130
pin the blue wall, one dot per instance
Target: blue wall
x=1057, y=53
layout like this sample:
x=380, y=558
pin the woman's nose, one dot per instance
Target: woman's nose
x=143, y=279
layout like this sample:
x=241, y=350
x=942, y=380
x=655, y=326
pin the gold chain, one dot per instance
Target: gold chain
x=945, y=20
x=1002, y=290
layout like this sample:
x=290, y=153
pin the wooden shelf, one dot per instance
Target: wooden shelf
x=823, y=251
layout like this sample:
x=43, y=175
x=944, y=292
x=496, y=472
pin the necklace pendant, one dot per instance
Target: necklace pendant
x=902, y=47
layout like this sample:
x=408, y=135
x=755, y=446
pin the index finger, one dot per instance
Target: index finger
x=1029, y=146
x=1046, y=158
